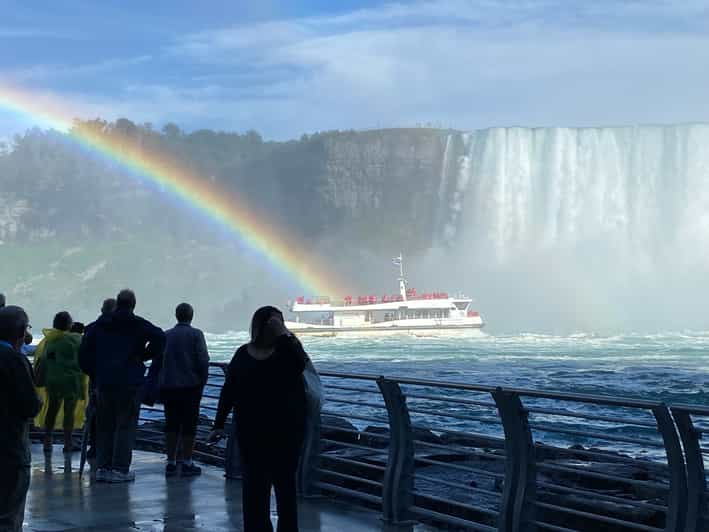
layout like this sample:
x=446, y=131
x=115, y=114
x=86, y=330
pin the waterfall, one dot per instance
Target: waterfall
x=639, y=191
x=590, y=222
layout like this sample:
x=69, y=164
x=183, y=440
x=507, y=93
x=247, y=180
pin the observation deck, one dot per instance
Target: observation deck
x=425, y=455
x=60, y=500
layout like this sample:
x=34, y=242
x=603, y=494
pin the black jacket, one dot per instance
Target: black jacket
x=18, y=405
x=116, y=346
x=268, y=396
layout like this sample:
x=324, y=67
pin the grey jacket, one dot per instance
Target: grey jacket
x=185, y=363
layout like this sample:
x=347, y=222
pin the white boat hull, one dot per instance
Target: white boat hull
x=413, y=327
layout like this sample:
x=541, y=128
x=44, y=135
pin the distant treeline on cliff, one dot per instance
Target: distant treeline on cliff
x=374, y=188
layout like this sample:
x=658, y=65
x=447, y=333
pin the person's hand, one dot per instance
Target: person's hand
x=275, y=324
x=215, y=436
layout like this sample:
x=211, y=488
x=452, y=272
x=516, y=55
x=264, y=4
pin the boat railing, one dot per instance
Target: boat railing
x=371, y=299
x=488, y=458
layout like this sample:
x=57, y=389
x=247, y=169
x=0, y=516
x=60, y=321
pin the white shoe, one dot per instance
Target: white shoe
x=118, y=476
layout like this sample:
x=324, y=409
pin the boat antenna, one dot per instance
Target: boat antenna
x=399, y=261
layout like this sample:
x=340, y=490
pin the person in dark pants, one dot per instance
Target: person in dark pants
x=18, y=405
x=184, y=372
x=113, y=352
x=264, y=385
x=108, y=306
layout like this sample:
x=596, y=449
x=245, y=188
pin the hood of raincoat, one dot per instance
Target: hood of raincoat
x=48, y=335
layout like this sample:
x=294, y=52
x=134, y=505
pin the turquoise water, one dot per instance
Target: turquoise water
x=671, y=366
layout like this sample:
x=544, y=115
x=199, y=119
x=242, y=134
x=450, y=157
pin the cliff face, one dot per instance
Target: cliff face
x=321, y=184
x=80, y=228
x=383, y=185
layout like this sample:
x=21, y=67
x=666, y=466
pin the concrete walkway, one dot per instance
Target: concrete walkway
x=59, y=500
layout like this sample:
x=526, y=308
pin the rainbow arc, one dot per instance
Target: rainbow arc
x=275, y=244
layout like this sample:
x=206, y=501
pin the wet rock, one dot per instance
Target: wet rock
x=337, y=429
x=376, y=437
x=477, y=441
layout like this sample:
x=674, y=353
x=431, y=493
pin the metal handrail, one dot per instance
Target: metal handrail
x=529, y=473
x=608, y=400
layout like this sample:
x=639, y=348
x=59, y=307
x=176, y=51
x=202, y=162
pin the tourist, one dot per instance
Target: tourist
x=2, y=300
x=64, y=379
x=184, y=372
x=265, y=387
x=108, y=306
x=18, y=405
x=114, y=351
x=79, y=405
x=27, y=347
x=78, y=327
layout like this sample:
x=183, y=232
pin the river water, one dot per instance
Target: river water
x=673, y=366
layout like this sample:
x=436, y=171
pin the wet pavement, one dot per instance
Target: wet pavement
x=61, y=500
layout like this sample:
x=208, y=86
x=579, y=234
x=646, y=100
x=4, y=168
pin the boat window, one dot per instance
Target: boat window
x=460, y=305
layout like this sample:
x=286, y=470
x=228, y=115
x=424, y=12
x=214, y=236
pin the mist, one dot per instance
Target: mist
x=568, y=230
x=554, y=230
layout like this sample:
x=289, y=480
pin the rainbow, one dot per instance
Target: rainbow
x=283, y=251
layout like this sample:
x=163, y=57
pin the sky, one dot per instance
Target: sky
x=287, y=68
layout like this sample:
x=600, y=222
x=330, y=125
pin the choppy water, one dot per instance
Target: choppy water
x=673, y=367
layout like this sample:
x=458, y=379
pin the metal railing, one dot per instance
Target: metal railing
x=489, y=458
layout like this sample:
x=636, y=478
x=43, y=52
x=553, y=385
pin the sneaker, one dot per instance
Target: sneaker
x=190, y=470
x=102, y=475
x=119, y=476
x=170, y=470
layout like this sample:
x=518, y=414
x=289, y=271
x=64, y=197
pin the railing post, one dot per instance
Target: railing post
x=398, y=485
x=310, y=456
x=519, y=492
x=696, y=476
x=677, y=495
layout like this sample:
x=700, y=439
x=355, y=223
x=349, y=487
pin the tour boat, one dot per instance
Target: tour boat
x=408, y=312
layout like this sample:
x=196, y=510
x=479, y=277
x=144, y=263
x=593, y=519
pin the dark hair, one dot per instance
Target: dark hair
x=184, y=313
x=62, y=321
x=77, y=327
x=13, y=323
x=125, y=300
x=258, y=321
x=2, y=300
x=109, y=305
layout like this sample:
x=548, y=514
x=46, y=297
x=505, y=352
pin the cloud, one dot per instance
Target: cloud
x=44, y=72
x=470, y=64
x=462, y=64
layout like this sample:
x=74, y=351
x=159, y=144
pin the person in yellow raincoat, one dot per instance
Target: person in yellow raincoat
x=80, y=405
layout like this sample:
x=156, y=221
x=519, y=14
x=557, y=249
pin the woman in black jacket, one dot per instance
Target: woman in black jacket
x=264, y=385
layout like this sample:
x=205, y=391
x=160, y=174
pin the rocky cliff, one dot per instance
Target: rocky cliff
x=78, y=228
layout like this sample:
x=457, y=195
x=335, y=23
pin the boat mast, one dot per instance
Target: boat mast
x=399, y=261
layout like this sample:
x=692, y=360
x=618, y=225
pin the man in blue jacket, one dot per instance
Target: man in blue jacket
x=184, y=372
x=18, y=405
x=113, y=353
